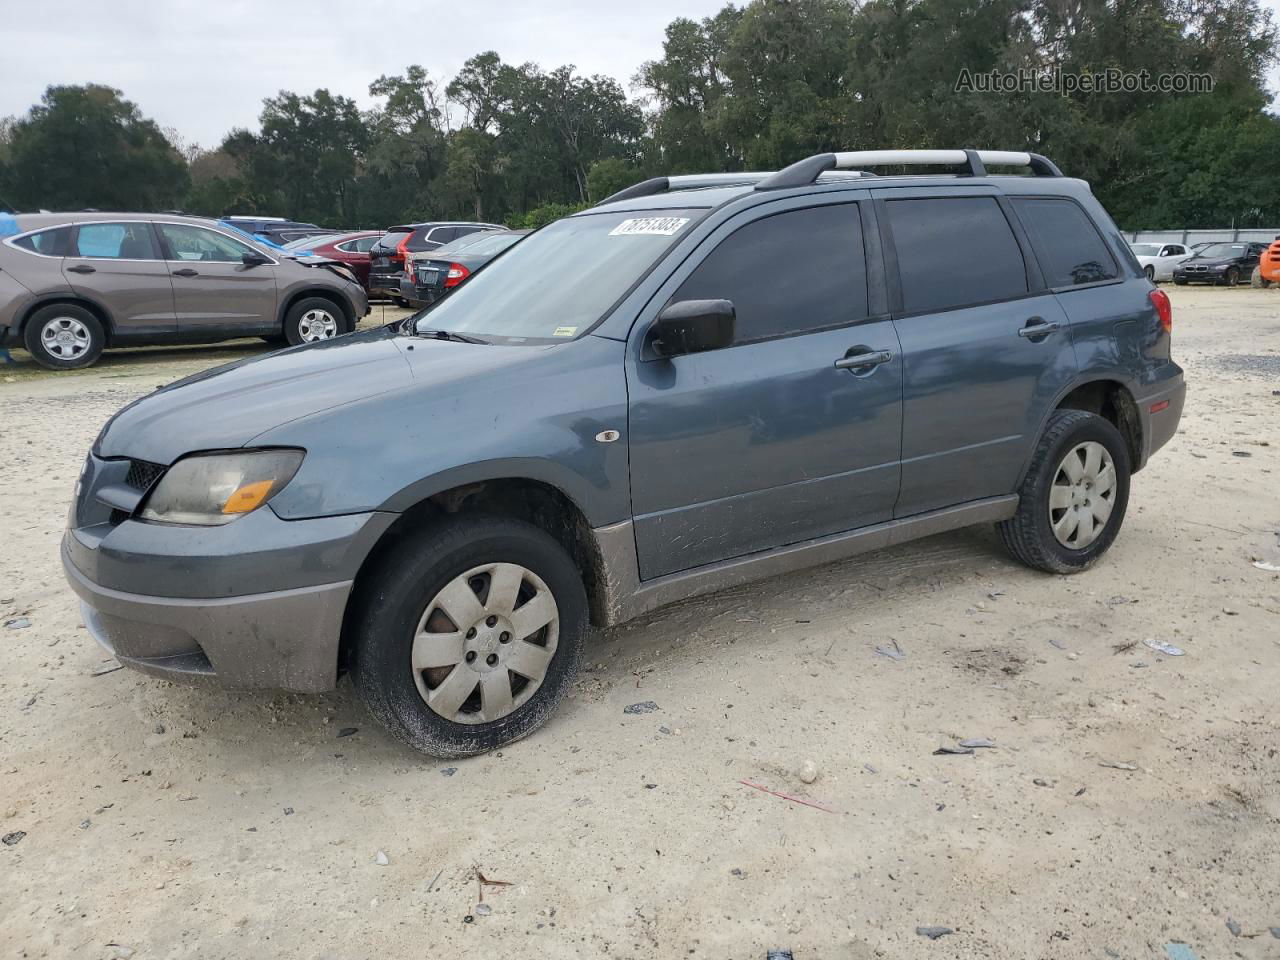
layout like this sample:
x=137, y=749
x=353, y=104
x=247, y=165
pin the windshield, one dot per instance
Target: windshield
x=558, y=282
x=306, y=243
x=1145, y=249
x=1222, y=250
x=453, y=246
x=260, y=242
x=491, y=243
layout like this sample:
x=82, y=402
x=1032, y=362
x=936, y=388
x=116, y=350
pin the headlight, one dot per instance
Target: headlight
x=212, y=489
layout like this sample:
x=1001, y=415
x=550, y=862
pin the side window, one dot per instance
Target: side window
x=365, y=244
x=789, y=273
x=188, y=242
x=117, y=241
x=51, y=243
x=1170, y=251
x=426, y=238
x=955, y=252
x=1070, y=249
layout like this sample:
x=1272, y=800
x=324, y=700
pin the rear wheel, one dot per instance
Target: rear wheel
x=313, y=319
x=64, y=336
x=469, y=635
x=1073, y=500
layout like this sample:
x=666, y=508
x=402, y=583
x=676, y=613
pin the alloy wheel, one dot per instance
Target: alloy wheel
x=317, y=325
x=65, y=338
x=1082, y=495
x=483, y=644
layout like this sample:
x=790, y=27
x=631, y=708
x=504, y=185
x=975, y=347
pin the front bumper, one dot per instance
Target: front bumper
x=284, y=640
x=260, y=606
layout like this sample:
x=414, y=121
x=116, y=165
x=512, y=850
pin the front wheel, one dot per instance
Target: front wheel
x=469, y=634
x=1074, y=496
x=1231, y=277
x=313, y=319
x=1150, y=271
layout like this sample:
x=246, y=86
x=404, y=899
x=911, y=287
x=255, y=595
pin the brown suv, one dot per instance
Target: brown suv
x=74, y=283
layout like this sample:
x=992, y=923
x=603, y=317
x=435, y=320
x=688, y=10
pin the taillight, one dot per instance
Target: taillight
x=1160, y=300
x=402, y=250
x=457, y=273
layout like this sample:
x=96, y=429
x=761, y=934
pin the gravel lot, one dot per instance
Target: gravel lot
x=1132, y=799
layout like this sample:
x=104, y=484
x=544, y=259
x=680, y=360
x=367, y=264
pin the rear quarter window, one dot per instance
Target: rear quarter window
x=1070, y=249
x=51, y=243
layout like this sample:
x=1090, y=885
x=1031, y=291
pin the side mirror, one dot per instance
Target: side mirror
x=692, y=326
x=254, y=260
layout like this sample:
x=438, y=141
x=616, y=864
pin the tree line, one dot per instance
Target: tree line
x=753, y=87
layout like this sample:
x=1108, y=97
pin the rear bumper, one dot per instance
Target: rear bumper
x=1160, y=410
x=418, y=296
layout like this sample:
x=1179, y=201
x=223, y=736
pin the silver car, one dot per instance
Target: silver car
x=72, y=284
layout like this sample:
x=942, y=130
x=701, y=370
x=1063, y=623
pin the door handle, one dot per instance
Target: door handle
x=861, y=360
x=81, y=268
x=186, y=272
x=1038, y=328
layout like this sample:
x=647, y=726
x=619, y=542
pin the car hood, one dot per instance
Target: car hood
x=228, y=406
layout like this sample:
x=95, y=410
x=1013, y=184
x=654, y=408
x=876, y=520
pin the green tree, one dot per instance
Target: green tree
x=89, y=147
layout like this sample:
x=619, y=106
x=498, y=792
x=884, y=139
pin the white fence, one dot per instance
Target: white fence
x=1190, y=237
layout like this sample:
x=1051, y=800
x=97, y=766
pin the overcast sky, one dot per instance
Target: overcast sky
x=202, y=68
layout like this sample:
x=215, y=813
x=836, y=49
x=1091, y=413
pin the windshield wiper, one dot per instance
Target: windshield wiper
x=449, y=335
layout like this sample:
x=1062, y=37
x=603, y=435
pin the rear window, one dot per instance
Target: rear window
x=389, y=241
x=955, y=252
x=1068, y=245
x=51, y=243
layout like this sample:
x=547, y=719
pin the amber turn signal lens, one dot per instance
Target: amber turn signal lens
x=248, y=497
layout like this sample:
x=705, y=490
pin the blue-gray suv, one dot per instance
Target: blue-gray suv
x=746, y=374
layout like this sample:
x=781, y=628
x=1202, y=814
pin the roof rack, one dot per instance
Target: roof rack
x=973, y=162
x=699, y=181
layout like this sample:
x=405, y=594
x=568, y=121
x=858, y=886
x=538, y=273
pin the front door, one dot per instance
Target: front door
x=767, y=442
x=118, y=266
x=214, y=291
x=986, y=348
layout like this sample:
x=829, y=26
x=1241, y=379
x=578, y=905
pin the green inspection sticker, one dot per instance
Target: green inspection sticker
x=565, y=331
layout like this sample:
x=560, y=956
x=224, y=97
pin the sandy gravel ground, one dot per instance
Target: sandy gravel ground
x=167, y=822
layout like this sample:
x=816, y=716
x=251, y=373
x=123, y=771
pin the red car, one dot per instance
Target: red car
x=349, y=248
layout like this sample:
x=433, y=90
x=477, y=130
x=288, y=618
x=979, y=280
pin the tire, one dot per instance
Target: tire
x=64, y=336
x=401, y=603
x=1150, y=271
x=1029, y=535
x=313, y=319
x=1231, y=277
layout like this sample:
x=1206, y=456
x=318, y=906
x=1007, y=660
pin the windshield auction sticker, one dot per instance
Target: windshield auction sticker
x=649, y=226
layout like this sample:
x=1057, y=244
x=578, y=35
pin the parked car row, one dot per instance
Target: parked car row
x=1219, y=263
x=72, y=284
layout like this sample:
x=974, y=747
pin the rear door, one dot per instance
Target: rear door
x=986, y=348
x=118, y=266
x=214, y=291
x=768, y=442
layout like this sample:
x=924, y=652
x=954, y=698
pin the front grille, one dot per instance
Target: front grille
x=143, y=474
